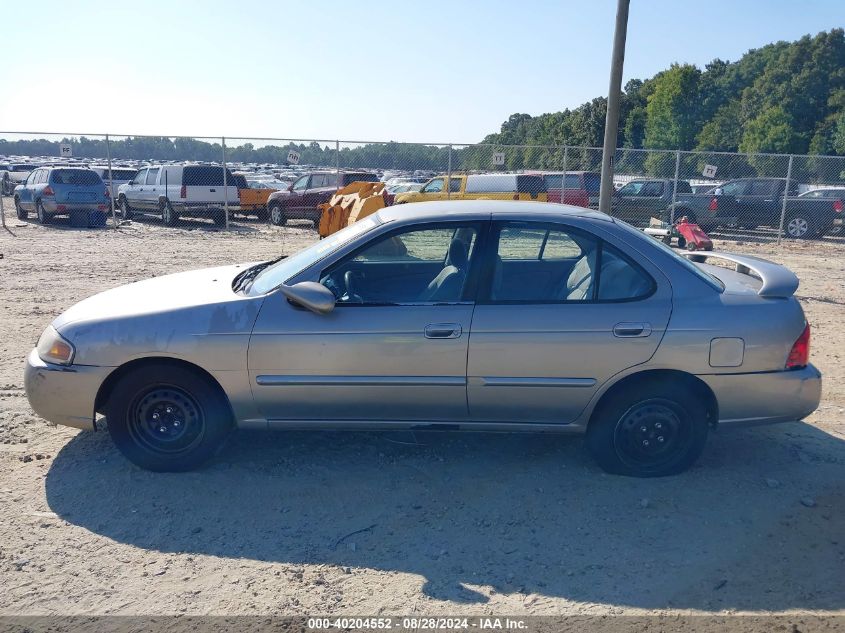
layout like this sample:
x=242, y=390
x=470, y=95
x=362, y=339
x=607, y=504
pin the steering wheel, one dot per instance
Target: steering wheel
x=350, y=281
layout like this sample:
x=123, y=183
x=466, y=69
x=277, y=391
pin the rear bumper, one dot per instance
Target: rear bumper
x=51, y=206
x=63, y=395
x=766, y=397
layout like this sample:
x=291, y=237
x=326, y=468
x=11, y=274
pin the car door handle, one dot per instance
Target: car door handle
x=443, y=330
x=212, y=190
x=631, y=330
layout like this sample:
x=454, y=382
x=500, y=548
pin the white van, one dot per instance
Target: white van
x=171, y=191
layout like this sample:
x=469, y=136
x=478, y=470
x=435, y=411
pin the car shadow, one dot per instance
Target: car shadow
x=757, y=524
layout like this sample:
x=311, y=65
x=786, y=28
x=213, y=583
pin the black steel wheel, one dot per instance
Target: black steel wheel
x=648, y=430
x=167, y=417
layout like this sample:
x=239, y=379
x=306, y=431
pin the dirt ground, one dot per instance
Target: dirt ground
x=367, y=523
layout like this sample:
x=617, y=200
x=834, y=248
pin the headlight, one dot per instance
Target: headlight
x=52, y=348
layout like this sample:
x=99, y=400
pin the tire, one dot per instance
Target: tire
x=125, y=210
x=800, y=227
x=167, y=418
x=19, y=210
x=682, y=241
x=169, y=217
x=671, y=414
x=277, y=215
x=219, y=218
x=41, y=212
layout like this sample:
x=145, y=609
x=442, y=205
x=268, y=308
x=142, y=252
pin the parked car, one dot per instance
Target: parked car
x=640, y=200
x=753, y=202
x=573, y=191
x=836, y=193
x=303, y=198
x=172, y=191
x=477, y=315
x=478, y=186
x=13, y=175
x=72, y=191
x=119, y=176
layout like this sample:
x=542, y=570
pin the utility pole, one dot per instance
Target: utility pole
x=611, y=123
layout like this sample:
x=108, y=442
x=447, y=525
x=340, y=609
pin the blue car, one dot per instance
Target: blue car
x=77, y=192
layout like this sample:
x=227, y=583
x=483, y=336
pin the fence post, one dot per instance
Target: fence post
x=337, y=180
x=563, y=178
x=449, y=173
x=785, y=195
x=111, y=181
x=225, y=186
x=2, y=210
x=675, y=186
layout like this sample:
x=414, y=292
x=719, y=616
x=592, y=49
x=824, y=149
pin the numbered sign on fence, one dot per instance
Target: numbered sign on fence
x=293, y=157
x=709, y=171
x=499, y=158
x=65, y=150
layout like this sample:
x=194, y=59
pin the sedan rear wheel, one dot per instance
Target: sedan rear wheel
x=167, y=418
x=648, y=430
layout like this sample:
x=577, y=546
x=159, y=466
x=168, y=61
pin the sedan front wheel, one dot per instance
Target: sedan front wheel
x=167, y=418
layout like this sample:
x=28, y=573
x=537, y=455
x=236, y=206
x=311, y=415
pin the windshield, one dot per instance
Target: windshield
x=277, y=274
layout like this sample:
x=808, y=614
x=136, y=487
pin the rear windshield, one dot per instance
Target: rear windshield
x=22, y=168
x=206, y=176
x=530, y=184
x=74, y=177
x=349, y=178
x=592, y=183
x=683, y=187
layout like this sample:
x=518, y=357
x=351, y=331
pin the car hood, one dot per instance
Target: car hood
x=170, y=293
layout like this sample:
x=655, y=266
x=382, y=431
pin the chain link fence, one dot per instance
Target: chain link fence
x=210, y=183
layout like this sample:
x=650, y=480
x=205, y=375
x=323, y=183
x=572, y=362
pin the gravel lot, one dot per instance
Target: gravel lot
x=365, y=523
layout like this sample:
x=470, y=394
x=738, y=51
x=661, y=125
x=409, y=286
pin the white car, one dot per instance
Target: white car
x=119, y=176
x=171, y=191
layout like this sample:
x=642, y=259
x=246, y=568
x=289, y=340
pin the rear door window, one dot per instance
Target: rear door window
x=455, y=185
x=652, y=189
x=349, y=178
x=762, y=188
x=152, y=176
x=532, y=185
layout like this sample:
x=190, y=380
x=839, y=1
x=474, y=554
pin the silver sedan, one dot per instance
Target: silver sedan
x=471, y=315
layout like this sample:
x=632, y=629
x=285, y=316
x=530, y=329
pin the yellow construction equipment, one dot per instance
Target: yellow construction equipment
x=355, y=201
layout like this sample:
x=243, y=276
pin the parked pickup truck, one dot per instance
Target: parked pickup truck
x=640, y=200
x=753, y=202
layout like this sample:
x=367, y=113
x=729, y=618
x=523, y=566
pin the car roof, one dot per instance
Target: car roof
x=482, y=209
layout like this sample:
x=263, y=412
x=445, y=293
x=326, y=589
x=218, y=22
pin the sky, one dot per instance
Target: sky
x=435, y=71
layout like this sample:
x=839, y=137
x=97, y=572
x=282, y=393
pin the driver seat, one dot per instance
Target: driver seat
x=449, y=282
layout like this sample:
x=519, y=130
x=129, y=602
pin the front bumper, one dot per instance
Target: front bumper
x=63, y=395
x=766, y=397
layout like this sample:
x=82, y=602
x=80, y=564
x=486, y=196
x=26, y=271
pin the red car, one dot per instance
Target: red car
x=581, y=187
x=303, y=198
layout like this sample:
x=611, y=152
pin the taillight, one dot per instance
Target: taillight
x=183, y=193
x=799, y=355
x=516, y=196
x=48, y=191
x=714, y=204
x=837, y=206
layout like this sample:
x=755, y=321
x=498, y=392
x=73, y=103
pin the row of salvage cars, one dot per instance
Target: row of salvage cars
x=467, y=315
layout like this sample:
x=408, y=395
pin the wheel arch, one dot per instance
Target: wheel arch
x=106, y=389
x=672, y=376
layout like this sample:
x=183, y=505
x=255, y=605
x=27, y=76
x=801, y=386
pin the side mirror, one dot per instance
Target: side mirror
x=718, y=191
x=311, y=296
